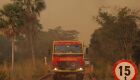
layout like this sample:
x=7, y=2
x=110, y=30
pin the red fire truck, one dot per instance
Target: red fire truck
x=68, y=58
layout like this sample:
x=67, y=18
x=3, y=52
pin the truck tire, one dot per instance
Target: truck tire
x=54, y=77
x=79, y=76
x=57, y=76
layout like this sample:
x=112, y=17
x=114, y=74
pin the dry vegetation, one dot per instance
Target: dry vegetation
x=24, y=71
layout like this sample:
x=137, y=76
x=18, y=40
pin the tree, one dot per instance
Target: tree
x=11, y=21
x=21, y=18
x=115, y=38
x=32, y=9
x=136, y=48
x=120, y=28
x=5, y=50
x=59, y=34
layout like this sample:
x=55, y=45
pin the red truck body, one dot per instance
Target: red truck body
x=68, y=56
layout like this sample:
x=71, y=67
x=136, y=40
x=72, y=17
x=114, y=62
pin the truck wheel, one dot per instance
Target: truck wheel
x=57, y=77
x=54, y=77
x=79, y=76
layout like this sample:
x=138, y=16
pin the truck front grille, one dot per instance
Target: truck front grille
x=68, y=65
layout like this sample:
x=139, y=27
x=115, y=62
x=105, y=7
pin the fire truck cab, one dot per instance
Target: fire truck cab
x=68, y=58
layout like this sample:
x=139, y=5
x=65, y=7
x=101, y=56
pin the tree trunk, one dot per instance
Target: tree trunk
x=32, y=49
x=29, y=28
x=13, y=57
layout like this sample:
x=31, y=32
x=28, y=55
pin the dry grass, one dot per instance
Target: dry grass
x=4, y=73
x=24, y=71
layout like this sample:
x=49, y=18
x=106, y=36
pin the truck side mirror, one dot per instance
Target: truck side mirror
x=87, y=51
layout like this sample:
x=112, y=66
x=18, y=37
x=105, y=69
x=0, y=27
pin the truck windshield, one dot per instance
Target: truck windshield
x=68, y=49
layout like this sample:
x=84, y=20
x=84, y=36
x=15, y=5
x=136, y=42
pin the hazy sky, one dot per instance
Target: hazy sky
x=77, y=14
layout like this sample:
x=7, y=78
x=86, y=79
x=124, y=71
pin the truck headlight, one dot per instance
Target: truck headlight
x=80, y=69
x=55, y=69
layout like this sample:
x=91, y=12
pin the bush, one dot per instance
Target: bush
x=3, y=75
